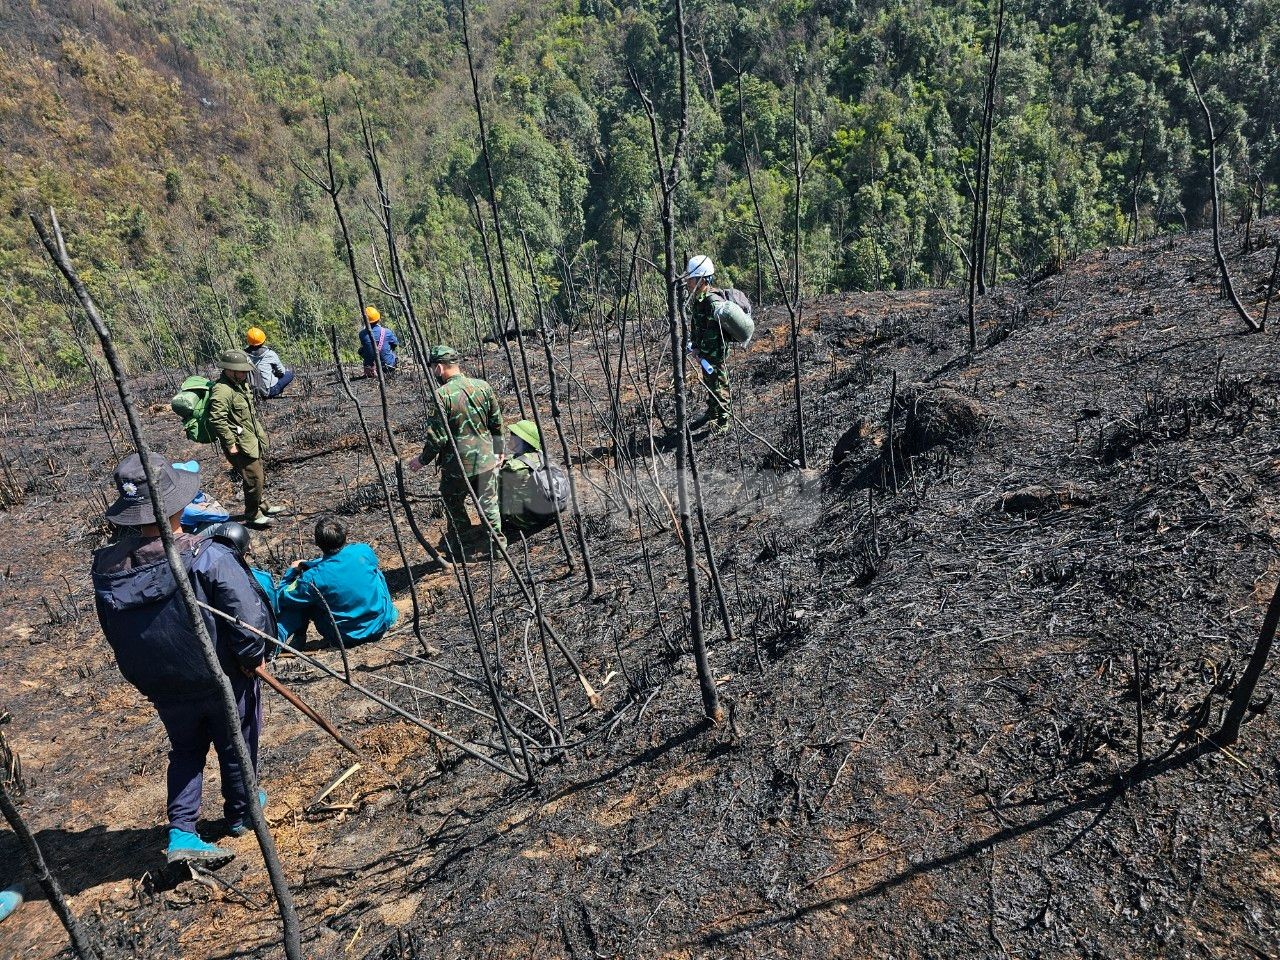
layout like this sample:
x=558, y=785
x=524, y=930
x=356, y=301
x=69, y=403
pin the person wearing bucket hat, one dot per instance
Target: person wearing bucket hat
x=270, y=376
x=147, y=627
x=235, y=424
x=527, y=437
x=533, y=491
x=472, y=416
x=377, y=342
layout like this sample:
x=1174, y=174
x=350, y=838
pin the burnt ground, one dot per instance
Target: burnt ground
x=933, y=711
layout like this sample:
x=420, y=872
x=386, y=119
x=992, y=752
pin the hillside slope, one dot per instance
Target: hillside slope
x=932, y=691
x=166, y=133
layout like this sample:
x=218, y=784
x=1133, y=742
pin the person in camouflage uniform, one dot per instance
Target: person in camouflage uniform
x=709, y=345
x=473, y=417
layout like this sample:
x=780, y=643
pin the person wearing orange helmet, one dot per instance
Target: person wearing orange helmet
x=270, y=376
x=377, y=343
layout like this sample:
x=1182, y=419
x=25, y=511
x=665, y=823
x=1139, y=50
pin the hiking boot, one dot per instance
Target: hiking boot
x=239, y=828
x=260, y=522
x=718, y=427
x=185, y=847
x=273, y=511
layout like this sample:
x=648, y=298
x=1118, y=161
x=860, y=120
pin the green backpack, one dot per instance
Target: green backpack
x=731, y=311
x=191, y=403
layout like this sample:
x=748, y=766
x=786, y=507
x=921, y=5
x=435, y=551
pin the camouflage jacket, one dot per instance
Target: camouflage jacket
x=233, y=418
x=705, y=333
x=474, y=418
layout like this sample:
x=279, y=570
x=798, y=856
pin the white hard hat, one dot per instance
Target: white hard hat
x=700, y=266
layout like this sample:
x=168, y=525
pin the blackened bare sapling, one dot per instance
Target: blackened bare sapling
x=668, y=176
x=55, y=246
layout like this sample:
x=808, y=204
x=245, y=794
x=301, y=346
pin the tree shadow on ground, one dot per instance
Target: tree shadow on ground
x=82, y=859
x=398, y=581
x=439, y=869
x=1099, y=799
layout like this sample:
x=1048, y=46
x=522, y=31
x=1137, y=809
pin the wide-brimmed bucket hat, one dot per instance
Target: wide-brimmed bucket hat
x=133, y=507
x=527, y=431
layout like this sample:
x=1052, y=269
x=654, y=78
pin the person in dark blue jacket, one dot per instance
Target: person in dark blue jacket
x=157, y=651
x=342, y=592
x=377, y=341
x=236, y=536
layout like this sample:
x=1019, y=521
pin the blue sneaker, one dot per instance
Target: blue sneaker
x=10, y=900
x=185, y=847
x=241, y=827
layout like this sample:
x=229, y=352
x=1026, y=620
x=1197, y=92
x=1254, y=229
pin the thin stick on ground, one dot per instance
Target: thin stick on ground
x=364, y=691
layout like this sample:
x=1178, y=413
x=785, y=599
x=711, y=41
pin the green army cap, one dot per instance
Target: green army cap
x=443, y=354
x=527, y=431
x=235, y=360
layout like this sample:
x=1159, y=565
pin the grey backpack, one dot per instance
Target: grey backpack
x=552, y=484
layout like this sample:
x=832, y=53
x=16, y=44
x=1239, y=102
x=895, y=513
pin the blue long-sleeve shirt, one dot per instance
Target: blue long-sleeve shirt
x=379, y=337
x=352, y=586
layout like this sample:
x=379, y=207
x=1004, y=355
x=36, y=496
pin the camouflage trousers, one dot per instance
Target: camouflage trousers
x=454, y=493
x=719, y=401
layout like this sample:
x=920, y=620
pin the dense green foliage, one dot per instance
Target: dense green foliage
x=164, y=133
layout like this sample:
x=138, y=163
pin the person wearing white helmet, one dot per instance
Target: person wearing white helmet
x=709, y=346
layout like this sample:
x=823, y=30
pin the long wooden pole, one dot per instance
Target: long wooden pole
x=305, y=709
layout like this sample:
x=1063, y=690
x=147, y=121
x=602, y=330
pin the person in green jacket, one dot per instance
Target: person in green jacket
x=709, y=347
x=524, y=507
x=234, y=422
x=473, y=417
x=342, y=592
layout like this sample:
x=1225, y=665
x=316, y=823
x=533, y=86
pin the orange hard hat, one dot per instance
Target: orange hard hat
x=255, y=337
x=372, y=314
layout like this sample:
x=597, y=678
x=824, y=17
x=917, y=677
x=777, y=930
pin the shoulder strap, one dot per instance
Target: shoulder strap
x=382, y=337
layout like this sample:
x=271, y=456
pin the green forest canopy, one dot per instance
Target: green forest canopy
x=165, y=133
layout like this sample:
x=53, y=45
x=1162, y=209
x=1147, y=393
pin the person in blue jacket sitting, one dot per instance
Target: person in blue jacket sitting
x=377, y=343
x=343, y=592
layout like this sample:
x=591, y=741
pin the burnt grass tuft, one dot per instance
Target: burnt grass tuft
x=942, y=635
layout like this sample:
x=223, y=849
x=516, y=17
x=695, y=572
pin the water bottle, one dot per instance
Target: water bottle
x=703, y=362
